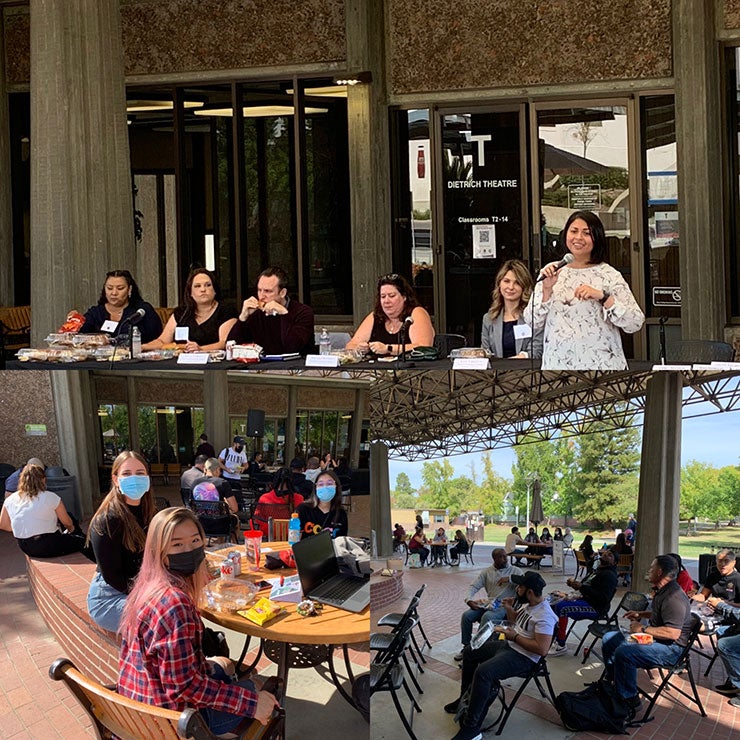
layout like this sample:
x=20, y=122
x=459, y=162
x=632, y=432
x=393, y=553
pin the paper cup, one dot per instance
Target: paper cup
x=253, y=546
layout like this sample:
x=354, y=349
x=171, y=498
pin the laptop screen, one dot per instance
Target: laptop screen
x=315, y=561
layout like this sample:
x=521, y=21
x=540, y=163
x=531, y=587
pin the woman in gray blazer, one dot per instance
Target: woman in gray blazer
x=509, y=299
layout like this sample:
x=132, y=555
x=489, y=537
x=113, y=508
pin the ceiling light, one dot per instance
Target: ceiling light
x=139, y=106
x=355, y=78
x=332, y=91
x=258, y=111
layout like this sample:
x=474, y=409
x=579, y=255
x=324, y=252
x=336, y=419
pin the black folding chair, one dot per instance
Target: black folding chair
x=682, y=664
x=216, y=519
x=387, y=673
x=392, y=620
x=539, y=671
x=631, y=601
x=469, y=554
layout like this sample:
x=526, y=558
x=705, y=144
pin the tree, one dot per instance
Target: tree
x=550, y=463
x=585, y=132
x=403, y=496
x=699, y=482
x=437, y=491
x=488, y=496
x=607, y=478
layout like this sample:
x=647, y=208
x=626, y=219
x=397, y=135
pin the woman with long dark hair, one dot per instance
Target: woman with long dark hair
x=117, y=534
x=510, y=296
x=280, y=502
x=119, y=300
x=380, y=331
x=207, y=320
x=583, y=306
x=324, y=509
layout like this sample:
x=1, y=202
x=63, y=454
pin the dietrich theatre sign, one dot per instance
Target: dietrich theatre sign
x=482, y=188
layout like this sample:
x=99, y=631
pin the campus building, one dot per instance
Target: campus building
x=345, y=139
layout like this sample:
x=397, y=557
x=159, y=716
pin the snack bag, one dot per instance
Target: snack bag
x=263, y=611
x=74, y=322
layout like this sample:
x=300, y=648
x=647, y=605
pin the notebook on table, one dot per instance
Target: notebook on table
x=320, y=577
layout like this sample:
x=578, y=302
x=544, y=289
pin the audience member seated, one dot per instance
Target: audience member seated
x=212, y=487
x=11, y=482
x=417, y=544
x=587, y=548
x=191, y=475
x=524, y=644
x=278, y=323
x=380, y=331
x=256, y=465
x=32, y=514
x=117, y=535
x=567, y=538
x=201, y=323
x=116, y=308
x=512, y=540
x=313, y=468
x=532, y=539
x=669, y=623
x=162, y=660
x=438, y=550
x=496, y=580
x=728, y=649
x=596, y=593
x=546, y=539
x=723, y=581
x=399, y=535
x=619, y=548
x=461, y=547
x=557, y=535
x=279, y=503
x=323, y=510
x=684, y=579
x=300, y=482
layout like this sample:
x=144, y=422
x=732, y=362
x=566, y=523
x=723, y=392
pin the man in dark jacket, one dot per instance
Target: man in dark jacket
x=597, y=591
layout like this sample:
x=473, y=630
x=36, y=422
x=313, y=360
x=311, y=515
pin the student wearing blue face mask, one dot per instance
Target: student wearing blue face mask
x=324, y=509
x=117, y=534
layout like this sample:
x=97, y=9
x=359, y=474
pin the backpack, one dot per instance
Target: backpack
x=598, y=707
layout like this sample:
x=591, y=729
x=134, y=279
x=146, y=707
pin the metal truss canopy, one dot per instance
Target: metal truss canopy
x=424, y=414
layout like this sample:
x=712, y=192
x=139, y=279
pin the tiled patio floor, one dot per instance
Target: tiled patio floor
x=440, y=609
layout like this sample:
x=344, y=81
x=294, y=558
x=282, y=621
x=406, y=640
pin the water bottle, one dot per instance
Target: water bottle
x=730, y=592
x=135, y=341
x=496, y=604
x=324, y=342
x=294, y=529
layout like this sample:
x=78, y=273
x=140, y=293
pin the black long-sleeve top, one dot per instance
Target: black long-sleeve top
x=116, y=564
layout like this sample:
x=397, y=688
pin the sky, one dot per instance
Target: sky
x=712, y=439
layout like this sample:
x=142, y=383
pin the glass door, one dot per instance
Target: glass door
x=582, y=160
x=481, y=195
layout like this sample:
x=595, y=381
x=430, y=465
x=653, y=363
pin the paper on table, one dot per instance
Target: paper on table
x=289, y=590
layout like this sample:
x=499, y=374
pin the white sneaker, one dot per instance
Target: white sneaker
x=559, y=650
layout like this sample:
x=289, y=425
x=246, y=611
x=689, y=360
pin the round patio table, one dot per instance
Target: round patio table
x=293, y=641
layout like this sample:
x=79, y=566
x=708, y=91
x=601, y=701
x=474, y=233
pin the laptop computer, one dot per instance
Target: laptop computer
x=320, y=578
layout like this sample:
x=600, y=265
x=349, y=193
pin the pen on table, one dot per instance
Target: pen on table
x=282, y=580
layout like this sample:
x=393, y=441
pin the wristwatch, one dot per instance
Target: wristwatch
x=605, y=298
x=389, y=347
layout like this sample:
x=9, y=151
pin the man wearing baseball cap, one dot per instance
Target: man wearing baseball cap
x=525, y=643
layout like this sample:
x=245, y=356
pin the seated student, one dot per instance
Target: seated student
x=557, y=534
x=722, y=583
x=546, y=539
x=31, y=514
x=596, y=593
x=568, y=538
x=684, y=579
x=161, y=659
x=619, y=548
x=532, y=539
x=512, y=540
x=324, y=509
x=279, y=503
x=399, y=535
x=461, y=547
x=524, y=644
x=417, y=544
x=438, y=550
x=587, y=548
x=313, y=468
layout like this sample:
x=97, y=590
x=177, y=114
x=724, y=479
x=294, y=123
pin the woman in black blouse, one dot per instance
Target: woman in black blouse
x=117, y=534
x=202, y=316
x=324, y=509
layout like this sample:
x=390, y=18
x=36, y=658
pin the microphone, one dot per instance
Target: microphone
x=408, y=321
x=567, y=259
x=135, y=317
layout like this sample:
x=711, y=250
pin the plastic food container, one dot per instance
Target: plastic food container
x=641, y=638
x=470, y=352
x=228, y=595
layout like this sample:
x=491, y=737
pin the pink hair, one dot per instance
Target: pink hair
x=154, y=577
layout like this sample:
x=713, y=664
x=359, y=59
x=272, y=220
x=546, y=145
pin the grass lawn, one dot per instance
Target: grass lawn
x=688, y=547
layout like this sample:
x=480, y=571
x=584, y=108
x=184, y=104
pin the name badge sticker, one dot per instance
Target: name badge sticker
x=522, y=331
x=109, y=326
x=182, y=333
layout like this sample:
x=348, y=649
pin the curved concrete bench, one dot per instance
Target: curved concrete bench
x=59, y=587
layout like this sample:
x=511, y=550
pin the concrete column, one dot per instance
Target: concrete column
x=133, y=415
x=380, y=500
x=358, y=414
x=6, y=223
x=76, y=415
x=81, y=202
x=290, y=420
x=660, y=473
x=216, y=415
x=699, y=137
x=367, y=121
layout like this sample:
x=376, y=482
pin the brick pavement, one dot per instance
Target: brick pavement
x=440, y=610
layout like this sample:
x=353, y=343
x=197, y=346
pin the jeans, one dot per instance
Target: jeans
x=622, y=659
x=218, y=721
x=575, y=609
x=483, y=670
x=105, y=603
x=483, y=616
x=728, y=649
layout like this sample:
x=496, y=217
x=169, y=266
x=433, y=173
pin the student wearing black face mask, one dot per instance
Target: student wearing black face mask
x=234, y=460
x=162, y=661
